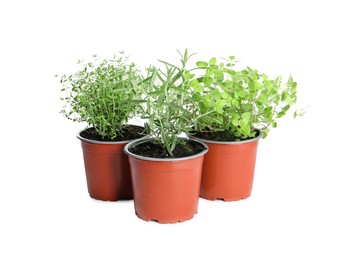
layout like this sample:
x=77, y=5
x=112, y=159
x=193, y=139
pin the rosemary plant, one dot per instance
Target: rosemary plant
x=170, y=107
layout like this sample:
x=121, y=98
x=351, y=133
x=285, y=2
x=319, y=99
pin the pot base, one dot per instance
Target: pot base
x=166, y=221
x=110, y=199
x=225, y=199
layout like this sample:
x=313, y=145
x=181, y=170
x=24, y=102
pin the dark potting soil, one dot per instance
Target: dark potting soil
x=222, y=136
x=154, y=150
x=130, y=132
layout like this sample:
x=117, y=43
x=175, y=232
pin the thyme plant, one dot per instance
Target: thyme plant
x=104, y=93
x=239, y=101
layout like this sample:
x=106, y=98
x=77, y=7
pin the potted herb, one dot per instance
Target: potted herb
x=165, y=168
x=104, y=94
x=241, y=106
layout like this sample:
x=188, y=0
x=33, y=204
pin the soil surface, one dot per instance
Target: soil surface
x=130, y=132
x=222, y=136
x=154, y=150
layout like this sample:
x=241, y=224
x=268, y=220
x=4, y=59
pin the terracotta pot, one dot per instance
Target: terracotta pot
x=165, y=190
x=228, y=169
x=107, y=169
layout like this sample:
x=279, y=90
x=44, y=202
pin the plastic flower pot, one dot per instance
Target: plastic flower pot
x=228, y=169
x=107, y=169
x=165, y=190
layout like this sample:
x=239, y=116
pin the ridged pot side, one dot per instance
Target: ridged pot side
x=107, y=169
x=228, y=169
x=167, y=190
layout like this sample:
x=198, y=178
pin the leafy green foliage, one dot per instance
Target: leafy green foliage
x=104, y=93
x=240, y=101
x=170, y=107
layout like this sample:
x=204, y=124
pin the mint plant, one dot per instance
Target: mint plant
x=238, y=102
x=104, y=93
x=170, y=107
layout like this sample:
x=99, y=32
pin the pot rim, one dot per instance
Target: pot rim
x=103, y=142
x=228, y=142
x=140, y=157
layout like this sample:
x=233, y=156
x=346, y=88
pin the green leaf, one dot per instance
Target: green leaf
x=218, y=120
x=208, y=72
x=207, y=101
x=216, y=94
x=241, y=93
x=207, y=81
x=235, y=122
x=280, y=114
x=218, y=73
x=263, y=99
x=245, y=129
x=232, y=57
x=219, y=106
x=246, y=116
x=283, y=96
x=225, y=95
x=286, y=108
x=202, y=64
x=230, y=72
x=196, y=86
x=235, y=103
x=258, y=85
x=213, y=61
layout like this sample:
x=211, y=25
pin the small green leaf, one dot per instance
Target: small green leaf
x=218, y=73
x=258, y=85
x=263, y=99
x=217, y=120
x=230, y=72
x=232, y=57
x=283, y=96
x=235, y=122
x=196, y=86
x=208, y=72
x=246, y=116
x=202, y=64
x=245, y=129
x=219, y=106
x=225, y=95
x=235, y=103
x=280, y=114
x=286, y=108
x=213, y=61
x=207, y=101
x=241, y=93
x=207, y=81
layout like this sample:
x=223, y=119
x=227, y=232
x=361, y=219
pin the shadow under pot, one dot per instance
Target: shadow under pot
x=166, y=190
x=107, y=169
x=228, y=169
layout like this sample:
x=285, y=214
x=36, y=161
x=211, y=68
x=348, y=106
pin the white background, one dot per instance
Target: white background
x=307, y=197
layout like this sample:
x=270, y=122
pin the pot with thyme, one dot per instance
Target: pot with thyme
x=241, y=107
x=166, y=168
x=105, y=95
